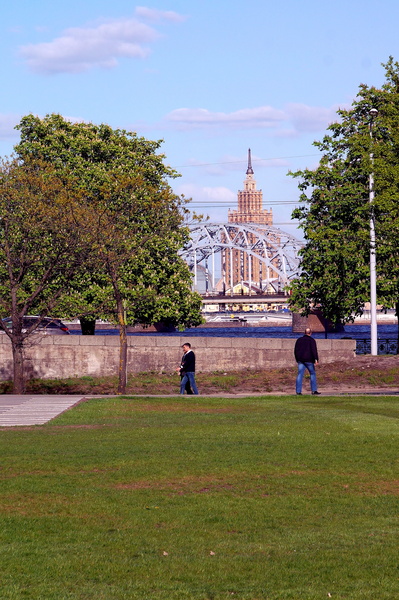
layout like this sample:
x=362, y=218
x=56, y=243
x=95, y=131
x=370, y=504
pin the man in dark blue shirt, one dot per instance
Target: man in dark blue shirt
x=306, y=356
x=187, y=369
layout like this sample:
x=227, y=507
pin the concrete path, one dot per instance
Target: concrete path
x=33, y=410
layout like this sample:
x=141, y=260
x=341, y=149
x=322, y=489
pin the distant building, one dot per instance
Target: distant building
x=250, y=201
x=239, y=266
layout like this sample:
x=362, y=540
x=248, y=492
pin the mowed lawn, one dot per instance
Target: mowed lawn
x=203, y=498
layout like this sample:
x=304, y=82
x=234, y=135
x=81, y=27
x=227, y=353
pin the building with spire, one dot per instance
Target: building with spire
x=243, y=272
x=250, y=201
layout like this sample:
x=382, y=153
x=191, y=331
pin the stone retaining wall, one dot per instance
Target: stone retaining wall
x=75, y=355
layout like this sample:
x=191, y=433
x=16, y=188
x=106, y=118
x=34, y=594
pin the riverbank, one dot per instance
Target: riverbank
x=361, y=375
x=235, y=320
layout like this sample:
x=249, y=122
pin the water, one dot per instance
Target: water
x=385, y=331
x=387, y=335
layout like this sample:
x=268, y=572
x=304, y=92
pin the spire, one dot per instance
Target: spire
x=250, y=170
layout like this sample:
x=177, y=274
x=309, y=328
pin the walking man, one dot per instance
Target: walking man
x=306, y=356
x=187, y=369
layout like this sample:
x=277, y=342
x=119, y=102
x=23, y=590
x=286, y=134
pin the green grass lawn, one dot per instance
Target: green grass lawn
x=197, y=498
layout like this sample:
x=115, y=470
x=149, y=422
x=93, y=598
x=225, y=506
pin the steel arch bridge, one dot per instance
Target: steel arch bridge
x=274, y=248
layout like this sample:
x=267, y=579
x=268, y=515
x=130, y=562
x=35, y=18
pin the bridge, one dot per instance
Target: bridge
x=230, y=301
x=269, y=245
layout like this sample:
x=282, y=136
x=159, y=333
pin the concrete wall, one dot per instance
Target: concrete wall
x=75, y=355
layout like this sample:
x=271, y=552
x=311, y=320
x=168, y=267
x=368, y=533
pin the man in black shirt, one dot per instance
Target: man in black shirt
x=306, y=356
x=187, y=369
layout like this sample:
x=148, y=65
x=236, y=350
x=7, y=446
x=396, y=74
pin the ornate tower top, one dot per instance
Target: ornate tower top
x=250, y=170
x=250, y=183
x=250, y=202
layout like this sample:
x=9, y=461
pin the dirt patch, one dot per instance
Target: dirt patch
x=185, y=485
x=258, y=484
x=374, y=488
x=386, y=488
x=184, y=408
x=56, y=428
x=363, y=372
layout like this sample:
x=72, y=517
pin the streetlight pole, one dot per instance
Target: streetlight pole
x=373, y=276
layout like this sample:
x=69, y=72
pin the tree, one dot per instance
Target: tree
x=336, y=213
x=39, y=217
x=137, y=225
x=138, y=245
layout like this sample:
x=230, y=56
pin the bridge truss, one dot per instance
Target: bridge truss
x=269, y=245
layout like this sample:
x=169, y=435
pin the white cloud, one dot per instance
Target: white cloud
x=206, y=194
x=219, y=194
x=152, y=14
x=80, y=49
x=290, y=121
x=7, y=126
x=212, y=202
x=263, y=116
x=311, y=118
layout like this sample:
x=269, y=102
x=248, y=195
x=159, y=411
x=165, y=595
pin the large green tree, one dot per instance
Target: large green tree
x=137, y=225
x=137, y=238
x=43, y=243
x=336, y=212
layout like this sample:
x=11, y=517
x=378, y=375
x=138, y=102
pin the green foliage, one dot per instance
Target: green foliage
x=336, y=213
x=43, y=242
x=39, y=218
x=136, y=221
x=98, y=154
x=134, y=224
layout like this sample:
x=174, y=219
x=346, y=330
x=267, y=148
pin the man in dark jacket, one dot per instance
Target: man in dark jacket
x=306, y=356
x=187, y=369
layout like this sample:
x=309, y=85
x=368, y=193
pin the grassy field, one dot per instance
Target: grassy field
x=205, y=499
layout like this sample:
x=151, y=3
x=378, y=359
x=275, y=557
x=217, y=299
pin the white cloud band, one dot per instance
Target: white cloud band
x=292, y=120
x=81, y=48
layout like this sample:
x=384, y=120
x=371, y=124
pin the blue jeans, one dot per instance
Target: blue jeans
x=301, y=371
x=190, y=376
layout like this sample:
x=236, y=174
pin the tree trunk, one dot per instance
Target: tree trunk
x=122, y=348
x=87, y=325
x=18, y=366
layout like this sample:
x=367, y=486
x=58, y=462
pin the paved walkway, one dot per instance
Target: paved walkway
x=33, y=410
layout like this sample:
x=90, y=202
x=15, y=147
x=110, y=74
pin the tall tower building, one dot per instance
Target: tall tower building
x=239, y=268
x=250, y=201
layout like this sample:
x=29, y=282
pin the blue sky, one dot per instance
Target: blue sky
x=211, y=78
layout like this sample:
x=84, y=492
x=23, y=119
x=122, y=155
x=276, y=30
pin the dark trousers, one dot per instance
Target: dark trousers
x=188, y=386
x=188, y=376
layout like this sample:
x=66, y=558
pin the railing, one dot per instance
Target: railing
x=384, y=346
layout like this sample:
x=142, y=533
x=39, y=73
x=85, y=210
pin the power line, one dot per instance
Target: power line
x=232, y=162
x=275, y=223
x=225, y=203
x=217, y=206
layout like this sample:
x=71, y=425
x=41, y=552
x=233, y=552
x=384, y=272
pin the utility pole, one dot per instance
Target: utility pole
x=373, y=276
